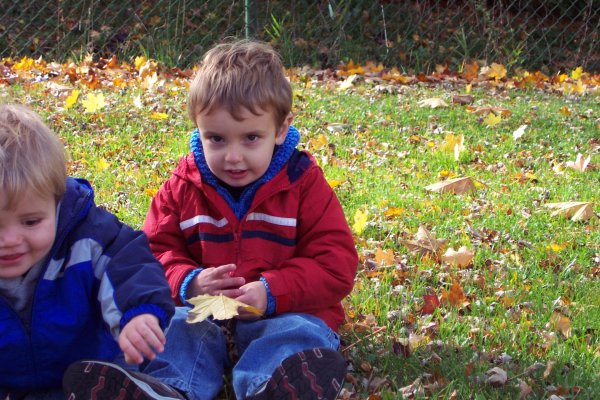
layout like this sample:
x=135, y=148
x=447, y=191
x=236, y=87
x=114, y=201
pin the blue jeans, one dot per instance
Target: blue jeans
x=196, y=357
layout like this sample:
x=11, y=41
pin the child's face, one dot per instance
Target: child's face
x=239, y=152
x=27, y=232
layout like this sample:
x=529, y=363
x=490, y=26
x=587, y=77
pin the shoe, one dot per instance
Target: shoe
x=316, y=374
x=98, y=380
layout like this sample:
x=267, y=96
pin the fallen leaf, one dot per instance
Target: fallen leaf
x=519, y=132
x=93, y=102
x=496, y=377
x=492, y=120
x=385, y=258
x=72, y=98
x=524, y=389
x=462, y=99
x=495, y=71
x=424, y=243
x=460, y=185
x=575, y=210
x=433, y=102
x=561, y=323
x=220, y=307
x=580, y=164
x=461, y=257
x=455, y=296
x=430, y=303
x=548, y=369
x=360, y=221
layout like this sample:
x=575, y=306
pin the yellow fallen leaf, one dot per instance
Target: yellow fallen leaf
x=492, y=119
x=159, y=115
x=433, y=102
x=72, y=98
x=496, y=71
x=333, y=183
x=575, y=210
x=220, y=307
x=576, y=73
x=460, y=185
x=461, y=257
x=360, y=221
x=93, y=102
x=102, y=165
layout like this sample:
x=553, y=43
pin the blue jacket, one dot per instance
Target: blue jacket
x=99, y=274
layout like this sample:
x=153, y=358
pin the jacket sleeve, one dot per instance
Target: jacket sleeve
x=323, y=269
x=132, y=281
x=166, y=238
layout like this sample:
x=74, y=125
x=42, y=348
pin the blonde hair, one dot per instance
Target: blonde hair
x=242, y=73
x=31, y=155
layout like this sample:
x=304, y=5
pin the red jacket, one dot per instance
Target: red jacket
x=294, y=234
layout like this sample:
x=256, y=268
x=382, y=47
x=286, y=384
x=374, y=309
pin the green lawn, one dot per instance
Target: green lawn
x=528, y=302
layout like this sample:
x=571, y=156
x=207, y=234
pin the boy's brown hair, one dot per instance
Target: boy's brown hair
x=242, y=73
x=31, y=155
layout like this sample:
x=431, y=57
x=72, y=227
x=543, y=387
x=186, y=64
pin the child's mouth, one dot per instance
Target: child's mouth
x=10, y=258
x=237, y=174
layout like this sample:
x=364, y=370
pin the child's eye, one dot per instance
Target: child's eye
x=32, y=222
x=216, y=139
x=252, y=138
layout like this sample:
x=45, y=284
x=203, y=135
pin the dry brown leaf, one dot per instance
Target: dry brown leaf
x=433, y=102
x=424, y=243
x=580, y=164
x=455, y=296
x=462, y=99
x=496, y=377
x=548, y=369
x=524, y=389
x=457, y=185
x=220, y=307
x=576, y=210
x=561, y=323
x=461, y=257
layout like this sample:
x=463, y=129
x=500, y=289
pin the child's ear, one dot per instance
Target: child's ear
x=283, y=129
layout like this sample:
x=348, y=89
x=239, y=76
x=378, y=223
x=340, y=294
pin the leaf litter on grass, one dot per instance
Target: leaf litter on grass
x=421, y=322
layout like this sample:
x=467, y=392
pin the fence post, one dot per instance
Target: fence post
x=250, y=18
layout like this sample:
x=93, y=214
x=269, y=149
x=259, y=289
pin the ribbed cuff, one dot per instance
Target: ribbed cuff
x=271, y=303
x=184, y=286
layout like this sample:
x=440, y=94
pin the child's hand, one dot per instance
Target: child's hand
x=254, y=294
x=142, y=336
x=215, y=281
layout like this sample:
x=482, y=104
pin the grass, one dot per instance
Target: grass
x=532, y=293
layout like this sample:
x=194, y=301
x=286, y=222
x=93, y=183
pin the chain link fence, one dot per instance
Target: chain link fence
x=547, y=35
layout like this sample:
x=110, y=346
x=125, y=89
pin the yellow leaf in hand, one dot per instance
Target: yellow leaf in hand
x=220, y=307
x=93, y=102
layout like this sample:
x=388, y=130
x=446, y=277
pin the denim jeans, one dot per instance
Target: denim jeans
x=196, y=357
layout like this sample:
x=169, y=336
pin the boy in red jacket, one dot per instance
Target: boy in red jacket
x=247, y=215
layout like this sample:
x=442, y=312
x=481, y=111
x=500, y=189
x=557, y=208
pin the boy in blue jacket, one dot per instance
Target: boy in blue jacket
x=75, y=283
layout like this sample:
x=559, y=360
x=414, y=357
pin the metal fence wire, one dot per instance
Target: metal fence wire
x=547, y=35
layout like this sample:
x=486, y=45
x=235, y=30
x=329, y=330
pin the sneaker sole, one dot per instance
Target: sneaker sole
x=298, y=378
x=105, y=381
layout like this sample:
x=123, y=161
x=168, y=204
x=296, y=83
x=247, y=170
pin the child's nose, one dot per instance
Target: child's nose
x=233, y=154
x=10, y=237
